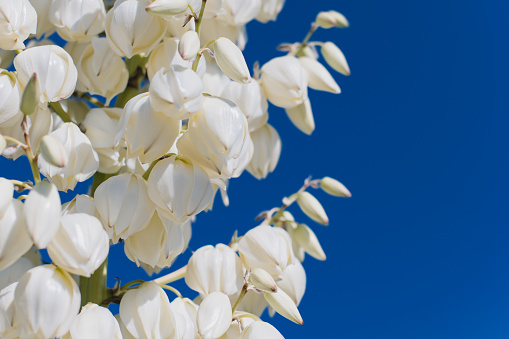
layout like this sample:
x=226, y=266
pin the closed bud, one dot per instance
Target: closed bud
x=230, y=60
x=312, y=208
x=284, y=305
x=94, y=322
x=331, y=19
x=31, y=95
x=334, y=187
x=319, y=77
x=189, y=45
x=166, y=8
x=3, y=144
x=263, y=280
x=53, y=151
x=302, y=117
x=214, y=315
x=335, y=58
x=306, y=238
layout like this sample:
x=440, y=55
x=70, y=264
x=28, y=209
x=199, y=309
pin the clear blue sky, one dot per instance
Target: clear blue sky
x=419, y=135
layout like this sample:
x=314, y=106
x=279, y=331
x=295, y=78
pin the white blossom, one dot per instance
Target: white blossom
x=270, y=10
x=185, y=311
x=319, y=77
x=6, y=194
x=9, y=96
x=302, y=117
x=17, y=22
x=9, y=325
x=14, y=237
x=189, y=45
x=44, y=25
x=261, y=329
x=214, y=315
x=230, y=60
x=293, y=281
x=335, y=58
x=267, y=149
x=94, y=322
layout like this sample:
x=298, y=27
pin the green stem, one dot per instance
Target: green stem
x=94, y=289
x=314, y=26
x=241, y=296
x=200, y=18
x=60, y=111
x=173, y=276
x=173, y=289
x=129, y=284
x=30, y=154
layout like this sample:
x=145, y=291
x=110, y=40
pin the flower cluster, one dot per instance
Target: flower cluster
x=155, y=101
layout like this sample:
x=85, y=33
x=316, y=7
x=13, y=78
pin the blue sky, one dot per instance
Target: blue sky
x=419, y=135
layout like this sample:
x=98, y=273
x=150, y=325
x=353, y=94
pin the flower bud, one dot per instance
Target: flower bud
x=6, y=193
x=94, y=322
x=285, y=81
x=262, y=280
x=9, y=97
x=31, y=95
x=331, y=19
x=46, y=299
x=14, y=238
x=55, y=70
x=146, y=312
x=230, y=60
x=284, y=305
x=312, y=208
x=267, y=149
x=80, y=245
x=319, y=77
x=131, y=30
x=261, y=329
x=189, y=45
x=304, y=237
x=17, y=22
x=3, y=144
x=167, y=8
x=335, y=58
x=334, y=187
x=214, y=315
x=42, y=211
x=53, y=151
x=212, y=269
x=302, y=117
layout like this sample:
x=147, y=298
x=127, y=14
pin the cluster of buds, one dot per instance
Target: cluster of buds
x=155, y=101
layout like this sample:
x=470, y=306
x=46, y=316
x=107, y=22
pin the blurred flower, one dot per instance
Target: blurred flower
x=14, y=237
x=267, y=149
x=17, y=22
x=94, y=322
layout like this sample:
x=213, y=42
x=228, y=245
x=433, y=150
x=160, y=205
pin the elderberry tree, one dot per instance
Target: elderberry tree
x=154, y=100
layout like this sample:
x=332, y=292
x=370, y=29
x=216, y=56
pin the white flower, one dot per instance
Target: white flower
x=149, y=134
x=158, y=244
x=241, y=12
x=179, y=187
x=319, y=77
x=82, y=163
x=17, y=22
x=262, y=280
x=46, y=299
x=268, y=248
x=218, y=139
x=214, y=315
x=53, y=151
x=293, y=281
x=42, y=211
x=101, y=71
x=9, y=96
x=124, y=206
x=331, y=19
x=305, y=239
x=176, y=92
x=185, y=311
x=302, y=117
x=335, y=58
x=9, y=325
x=189, y=45
x=94, y=322
x=131, y=30
x=146, y=312
x=261, y=329
x=166, y=54
x=230, y=60
x=44, y=25
x=80, y=245
x=55, y=70
x=78, y=20
x=267, y=149
x=212, y=269
x=284, y=81
x=12, y=273
x=6, y=193
x=212, y=29
x=334, y=187
x=80, y=204
x=215, y=81
x=250, y=99
x=270, y=10
x=167, y=8
x=312, y=208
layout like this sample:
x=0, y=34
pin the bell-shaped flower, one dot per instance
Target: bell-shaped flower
x=9, y=96
x=293, y=281
x=312, y=208
x=80, y=204
x=100, y=127
x=94, y=321
x=149, y=134
x=189, y=45
x=268, y=248
x=230, y=60
x=241, y=320
x=158, y=244
x=250, y=99
x=213, y=28
x=42, y=212
x=82, y=162
x=218, y=139
x=101, y=71
x=185, y=311
x=80, y=245
x=14, y=237
x=284, y=305
x=9, y=325
x=180, y=188
x=305, y=240
x=214, y=315
x=267, y=149
x=240, y=13
x=55, y=70
x=123, y=205
x=17, y=22
x=319, y=77
x=261, y=329
x=44, y=25
x=302, y=117
x=78, y=20
x=212, y=269
x=284, y=81
x=176, y=92
x=12, y=273
x=166, y=54
x=214, y=80
x=270, y=10
x=131, y=30
x=47, y=299
x=146, y=312
x=6, y=194
x=335, y=58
